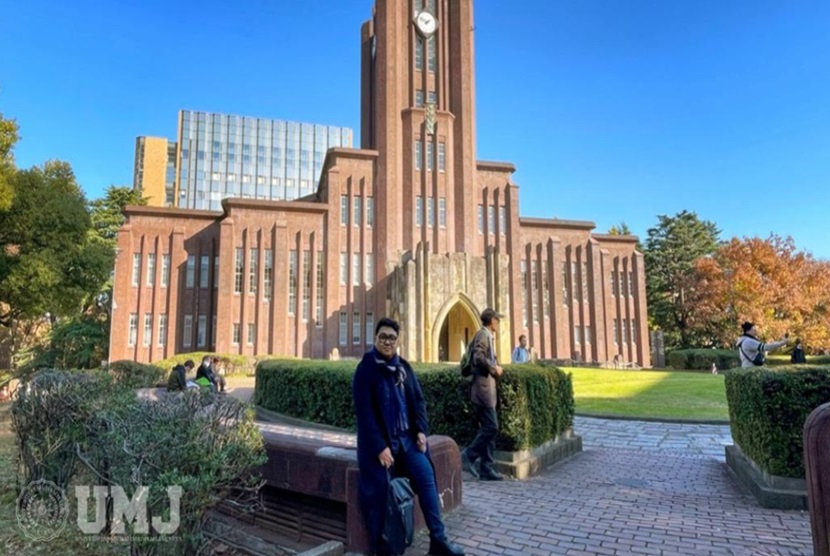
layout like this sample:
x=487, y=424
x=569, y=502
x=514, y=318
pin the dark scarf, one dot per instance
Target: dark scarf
x=390, y=366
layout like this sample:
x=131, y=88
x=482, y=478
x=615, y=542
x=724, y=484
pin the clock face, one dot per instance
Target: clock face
x=426, y=23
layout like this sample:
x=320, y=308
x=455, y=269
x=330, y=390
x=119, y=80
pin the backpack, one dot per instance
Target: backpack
x=467, y=360
x=399, y=524
x=759, y=358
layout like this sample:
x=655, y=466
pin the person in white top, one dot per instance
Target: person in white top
x=751, y=350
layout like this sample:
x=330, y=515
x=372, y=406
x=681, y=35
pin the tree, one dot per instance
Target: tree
x=8, y=138
x=620, y=229
x=671, y=253
x=107, y=212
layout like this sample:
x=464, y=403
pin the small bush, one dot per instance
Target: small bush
x=768, y=409
x=535, y=404
x=232, y=363
x=136, y=375
x=702, y=359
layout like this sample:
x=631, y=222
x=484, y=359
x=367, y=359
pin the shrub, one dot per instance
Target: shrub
x=232, y=363
x=136, y=375
x=768, y=409
x=779, y=360
x=535, y=403
x=702, y=359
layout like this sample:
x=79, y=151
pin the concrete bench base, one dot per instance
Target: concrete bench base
x=526, y=463
x=771, y=491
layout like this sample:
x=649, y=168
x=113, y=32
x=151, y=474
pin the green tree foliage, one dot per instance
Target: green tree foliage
x=8, y=138
x=106, y=213
x=671, y=251
x=620, y=229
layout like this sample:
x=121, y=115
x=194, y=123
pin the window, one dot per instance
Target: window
x=343, y=330
x=616, y=331
x=564, y=283
x=267, y=278
x=201, y=331
x=523, y=266
x=165, y=270
x=442, y=157
x=187, y=334
x=431, y=58
x=614, y=283
x=624, y=331
x=491, y=219
x=442, y=212
x=431, y=97
x=321, y=277
x=633, y=334
x=253, y=271
x=588, y=334
x=534, y=289
x=306, y=285
x=577, y=334
x=620, y=283
x=545, y=291
x=238, y=270
x=430, y=212
x=481, y=219
x=419, y=211
x=344, y=210
x=237, y=333
x=251, y=334
x=216, y=272
x=575, y=289
x=430, y=156
x=419, y=156
x=355, y=269
x=162, y=339
x=356, y=328
x=370, y=211
x=191, y=271
x=204, y=271
x=292, y=281
x=148, y=329
x=151, y=269
x=370, y=269
x=585, y=282
x=344, y=269
x=630, y=284
x=419, y=53
x=370, y=328
x=136, y=268
x=133, y=328
x=502, y=220
x=357, y=207
x=419, y=98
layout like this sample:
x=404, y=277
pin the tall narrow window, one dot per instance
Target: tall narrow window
x=343, y=328
x=624, y=329
x=534, y=289
x=442, y=157
x=370, y=211
x=162, y=339
x=621, y=283
x=306, y=285
x=370, y=328
x=419, y=211
x=431, y=58
x=357, y=213
x=419, y=98
x=239, y=270
x=251, y=334
x=133, y=329
x=525, y=290
x=430, y=212
x=321, y=284
x=191, y=271
x=545, y=291
x=616, y=331
x=419, y=156
x=148, y=329
x=419, y=53
x=201, y=331
x=442, y=212
x=370, y=268
x=633, y=334
x=292, y=281
x=565, y=299
x=253, y=271
x=630, y=284
x=136, y=268
x=502, y=220
x=614, y=283
x=187, y=333
x=165, y=270
x=356, y=328
x=237, y=333
x=344, y=269
x=268, y=275
x=344, y=210
x=577, y=334
x=588, y=334
x=575, y=289
x=355, y=269
x=585, y=282
x=430, y=156
x=204, y=271
x=216, y=272
x=151, y=269
x=481, y=219
x=491, y=219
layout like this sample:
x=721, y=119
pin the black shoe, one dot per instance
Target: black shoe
x=491, y=475
x=444, y=547
x=467, y=465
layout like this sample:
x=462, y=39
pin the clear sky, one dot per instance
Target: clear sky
x=611, y=110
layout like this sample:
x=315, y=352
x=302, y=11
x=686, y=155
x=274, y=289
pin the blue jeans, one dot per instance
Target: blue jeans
x=410, y=462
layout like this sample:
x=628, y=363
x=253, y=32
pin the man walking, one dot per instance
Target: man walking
x=484, y=397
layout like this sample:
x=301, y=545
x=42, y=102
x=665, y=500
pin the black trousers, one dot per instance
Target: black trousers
x=485, y=441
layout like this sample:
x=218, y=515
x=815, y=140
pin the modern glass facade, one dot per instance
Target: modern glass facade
x=235, y=156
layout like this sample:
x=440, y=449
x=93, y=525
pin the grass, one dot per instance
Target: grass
x=652, y=394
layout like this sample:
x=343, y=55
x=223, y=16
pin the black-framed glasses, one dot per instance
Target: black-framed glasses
x=387, y=338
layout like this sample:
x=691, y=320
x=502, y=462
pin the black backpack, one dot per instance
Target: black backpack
x=759, y=358
x=399, y=524
x=467, y=361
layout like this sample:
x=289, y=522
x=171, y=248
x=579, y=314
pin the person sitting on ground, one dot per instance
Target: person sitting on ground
x=177, y=382
x=220, y=374
x=204, y=374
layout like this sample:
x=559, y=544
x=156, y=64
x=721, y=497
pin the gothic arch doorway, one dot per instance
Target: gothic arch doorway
x=457, y=324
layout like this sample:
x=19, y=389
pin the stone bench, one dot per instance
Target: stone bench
x=311, y=491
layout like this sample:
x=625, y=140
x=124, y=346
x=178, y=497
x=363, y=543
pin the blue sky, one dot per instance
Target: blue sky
x=610, y=110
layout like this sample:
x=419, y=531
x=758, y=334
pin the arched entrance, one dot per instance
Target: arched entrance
x=458, y=324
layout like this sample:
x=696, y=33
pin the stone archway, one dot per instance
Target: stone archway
x=457, y=323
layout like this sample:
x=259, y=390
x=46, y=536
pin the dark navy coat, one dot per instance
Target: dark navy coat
x=375, y=409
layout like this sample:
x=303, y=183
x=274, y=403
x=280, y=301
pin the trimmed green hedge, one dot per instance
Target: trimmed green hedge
x=535, y=404
x=702, y=359
x=779, y=360
x=767, y=411
x=232, y=363
x=136, y=375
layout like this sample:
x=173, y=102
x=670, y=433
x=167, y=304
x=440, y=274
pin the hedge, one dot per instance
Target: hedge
x=137, y=375
x=768, y=409
x=535, y=404
x=232, y=363
x=702, y=359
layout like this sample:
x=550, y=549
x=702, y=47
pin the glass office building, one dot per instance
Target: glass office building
x=235, y=156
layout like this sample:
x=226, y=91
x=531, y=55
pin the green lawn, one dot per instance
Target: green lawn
x=657, y=394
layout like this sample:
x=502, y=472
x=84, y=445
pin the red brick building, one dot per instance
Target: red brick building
x=411, y=225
